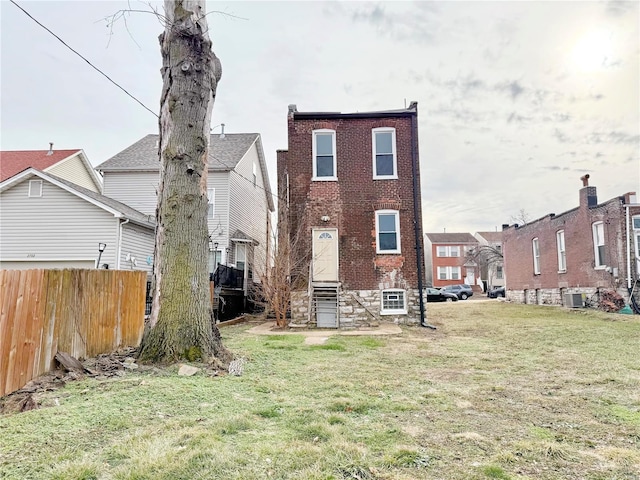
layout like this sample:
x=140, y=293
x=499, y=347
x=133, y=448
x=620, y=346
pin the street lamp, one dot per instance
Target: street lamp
x=101, y=248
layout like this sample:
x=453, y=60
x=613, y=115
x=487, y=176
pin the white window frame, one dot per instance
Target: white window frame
x=449, y=273
x=636, y=235
x=375, y=131
x=255, y=174
x=535, y=245
x=397, y=218
x=448, y=251
x=236, y=255
x=499, y=272
x=34, y=191
x=393, y=311
x=562, y=251
x=315, y=177
x=598, y=241
x=211, y=200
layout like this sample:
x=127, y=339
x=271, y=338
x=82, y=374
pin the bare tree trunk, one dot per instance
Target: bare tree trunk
x=180, y=325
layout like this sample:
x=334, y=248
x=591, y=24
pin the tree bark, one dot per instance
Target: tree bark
x=180, y=324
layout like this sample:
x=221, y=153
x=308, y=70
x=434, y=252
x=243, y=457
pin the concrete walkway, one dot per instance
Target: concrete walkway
x=318, y=336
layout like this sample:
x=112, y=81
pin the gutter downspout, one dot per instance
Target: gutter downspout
x=416, y=215
x=119, y=249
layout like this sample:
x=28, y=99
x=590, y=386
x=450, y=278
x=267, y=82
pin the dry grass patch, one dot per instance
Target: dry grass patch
x=498, y=391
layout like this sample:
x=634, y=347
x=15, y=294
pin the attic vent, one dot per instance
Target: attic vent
x=35, y=188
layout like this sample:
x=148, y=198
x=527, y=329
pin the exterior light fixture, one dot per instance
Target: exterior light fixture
x=101, y=248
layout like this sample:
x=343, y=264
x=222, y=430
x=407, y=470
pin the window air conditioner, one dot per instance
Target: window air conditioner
x=574, y=300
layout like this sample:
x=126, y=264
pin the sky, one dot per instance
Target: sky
x=516, y=99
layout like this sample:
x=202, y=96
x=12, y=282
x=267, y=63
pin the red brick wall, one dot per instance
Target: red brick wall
x=450, y=262
x=351, y=202
x=580, y=259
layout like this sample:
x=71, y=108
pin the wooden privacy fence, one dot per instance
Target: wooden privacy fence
x=81, y=312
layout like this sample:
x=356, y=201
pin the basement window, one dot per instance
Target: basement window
x=393, y=302
x=35, y=188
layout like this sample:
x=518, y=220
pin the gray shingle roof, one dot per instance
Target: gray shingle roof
x=451, y=238
x=224, y=153
x=491, y=236
x=126, y=210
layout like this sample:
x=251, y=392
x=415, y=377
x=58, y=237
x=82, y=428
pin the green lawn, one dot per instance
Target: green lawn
x=499, y=391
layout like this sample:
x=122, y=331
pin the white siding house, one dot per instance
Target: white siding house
x=240, y=200
x=50, y=222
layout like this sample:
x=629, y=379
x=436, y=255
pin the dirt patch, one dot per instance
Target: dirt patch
x=70, y=369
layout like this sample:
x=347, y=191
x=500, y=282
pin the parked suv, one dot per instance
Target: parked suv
x=463, y=291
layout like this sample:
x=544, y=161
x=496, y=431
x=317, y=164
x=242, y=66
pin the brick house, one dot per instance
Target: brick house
x=585, y=250
x=349, y=189
x=447, y=261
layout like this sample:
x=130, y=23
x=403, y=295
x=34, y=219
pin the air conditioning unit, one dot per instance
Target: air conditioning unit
x=574, y=300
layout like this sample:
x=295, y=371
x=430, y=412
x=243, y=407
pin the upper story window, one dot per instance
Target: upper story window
x=562, y=254
x=35, y=188
x=384, y=153
x=211, y=195
x=499, y=272
x=451, y=251
x=255, y=174
x=324, y=155
x=599, y=245
x=536, y=256
x=387, y=231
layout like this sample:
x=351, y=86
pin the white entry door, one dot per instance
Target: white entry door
x=325, y=255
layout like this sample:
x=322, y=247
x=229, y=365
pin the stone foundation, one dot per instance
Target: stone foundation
x=357, y=308
x=555, y=296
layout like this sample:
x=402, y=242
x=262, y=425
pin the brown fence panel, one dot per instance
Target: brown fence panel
x=81, y=312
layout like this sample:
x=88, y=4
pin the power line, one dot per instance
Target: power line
x=84, y=58
x=130, y=95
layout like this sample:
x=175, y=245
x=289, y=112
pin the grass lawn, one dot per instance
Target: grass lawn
x=499, y=391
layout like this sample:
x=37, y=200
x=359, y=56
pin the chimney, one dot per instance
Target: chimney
x=50, y=152
x=222, y=130
x=588, y=195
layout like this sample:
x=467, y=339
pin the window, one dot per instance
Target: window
x=255, y=174
x=211, y=195
x=35, y=188
x=599, y=245
x=449, y=273
x=324, y=155
x=499, y=272
x=387, y=231
x=443, y=251
x=384, y=153
x=562, y=254
x=636, y=237
x=393, y=302
x=215, y=259
x=536, y=256
x=241, y=256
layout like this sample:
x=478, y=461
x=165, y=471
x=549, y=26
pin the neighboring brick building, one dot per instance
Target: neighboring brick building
x=352, y=185
x=447, y=261
x=584, y=250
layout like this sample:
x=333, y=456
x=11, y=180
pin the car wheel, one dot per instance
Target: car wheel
x=463, y=296
x=502, y=295
x=449, y=299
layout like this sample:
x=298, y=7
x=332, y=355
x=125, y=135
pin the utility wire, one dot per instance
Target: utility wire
x=84, y=58
x=130, y=95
